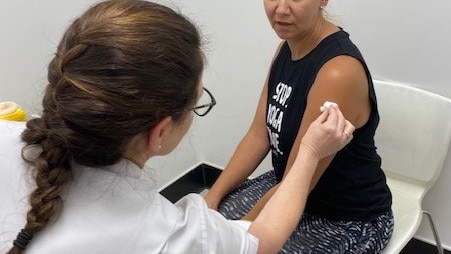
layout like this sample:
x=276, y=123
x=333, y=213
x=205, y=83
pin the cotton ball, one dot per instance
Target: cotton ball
x=326, y=105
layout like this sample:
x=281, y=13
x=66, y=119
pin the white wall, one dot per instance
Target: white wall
x=404, y=41
x=240, y=46
x=29, y=34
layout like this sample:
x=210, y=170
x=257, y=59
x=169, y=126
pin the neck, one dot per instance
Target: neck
x=305, y=43
x=136, y=150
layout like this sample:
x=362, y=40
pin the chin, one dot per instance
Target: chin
x=283, y=34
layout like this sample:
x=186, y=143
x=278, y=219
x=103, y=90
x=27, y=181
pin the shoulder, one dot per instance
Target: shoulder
x=342, y=67
x=336, y=44
x=344, y=64
x=343, y=75
x=281, y=47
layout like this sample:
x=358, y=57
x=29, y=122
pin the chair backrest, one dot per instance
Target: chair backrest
x=414, y=132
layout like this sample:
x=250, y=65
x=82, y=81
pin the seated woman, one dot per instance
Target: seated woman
x=348, y=209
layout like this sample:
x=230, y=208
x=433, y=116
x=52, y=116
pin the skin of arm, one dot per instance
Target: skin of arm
x=268, y=227
x=341, y=80
x=281, y=213
x=250, y=152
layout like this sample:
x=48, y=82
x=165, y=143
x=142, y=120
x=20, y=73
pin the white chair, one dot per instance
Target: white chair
x=413, y=138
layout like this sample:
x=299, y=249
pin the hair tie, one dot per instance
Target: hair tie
x=22, y=239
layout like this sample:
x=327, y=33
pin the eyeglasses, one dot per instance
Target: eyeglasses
x=206, y=104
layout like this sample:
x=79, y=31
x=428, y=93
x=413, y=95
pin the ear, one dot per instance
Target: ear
x=156, y=134
x=324, y=3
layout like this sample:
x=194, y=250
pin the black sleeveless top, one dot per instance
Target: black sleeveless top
x=353, y=186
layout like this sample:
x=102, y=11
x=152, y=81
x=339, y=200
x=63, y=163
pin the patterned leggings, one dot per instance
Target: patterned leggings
x=313, y=234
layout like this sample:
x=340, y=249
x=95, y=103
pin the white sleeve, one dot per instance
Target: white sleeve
x=13, y=184
x=203, y=230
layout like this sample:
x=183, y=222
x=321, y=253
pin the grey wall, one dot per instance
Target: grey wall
x=404, y=41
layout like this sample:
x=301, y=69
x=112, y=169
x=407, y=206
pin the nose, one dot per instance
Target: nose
x=282, y=7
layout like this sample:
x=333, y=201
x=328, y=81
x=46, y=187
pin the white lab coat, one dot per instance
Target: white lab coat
x=112, y=210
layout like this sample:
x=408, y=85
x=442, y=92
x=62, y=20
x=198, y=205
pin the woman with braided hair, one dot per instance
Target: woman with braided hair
x=123, y=87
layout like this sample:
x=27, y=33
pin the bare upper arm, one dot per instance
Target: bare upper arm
x=341, y=80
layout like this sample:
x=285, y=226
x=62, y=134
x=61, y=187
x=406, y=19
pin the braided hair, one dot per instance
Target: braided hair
x=119, y=69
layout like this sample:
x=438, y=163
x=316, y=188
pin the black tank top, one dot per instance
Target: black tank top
x=353, y=186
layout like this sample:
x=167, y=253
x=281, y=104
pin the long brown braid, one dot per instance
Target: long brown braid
x=120, y=68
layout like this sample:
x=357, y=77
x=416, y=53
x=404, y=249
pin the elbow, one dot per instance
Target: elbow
x=270, y=241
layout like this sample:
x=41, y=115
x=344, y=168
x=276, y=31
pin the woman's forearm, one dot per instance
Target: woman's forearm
x=248, y=155
x=256, y=209
x=282, y=212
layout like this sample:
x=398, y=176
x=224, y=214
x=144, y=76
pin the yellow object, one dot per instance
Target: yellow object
x=11, y=111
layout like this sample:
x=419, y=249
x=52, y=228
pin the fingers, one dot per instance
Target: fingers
x=342, y=127
x=348, y=136
x=329, y=133
x=335, y=120
x=323, y=116
x=348, y=130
